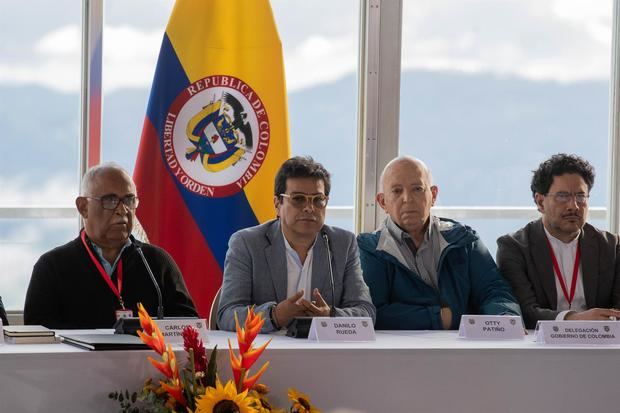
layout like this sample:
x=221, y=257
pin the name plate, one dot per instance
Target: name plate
x=578, y=332
x=491, y=327
x=342, y=329
x=172, y=329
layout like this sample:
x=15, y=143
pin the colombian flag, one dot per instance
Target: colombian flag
x=215, y=133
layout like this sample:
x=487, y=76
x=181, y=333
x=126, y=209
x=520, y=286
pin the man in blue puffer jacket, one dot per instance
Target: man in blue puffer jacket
x=424, y=272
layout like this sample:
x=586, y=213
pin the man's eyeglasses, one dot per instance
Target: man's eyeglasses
x=564, y=197
x=112, y=201
x=298, y=200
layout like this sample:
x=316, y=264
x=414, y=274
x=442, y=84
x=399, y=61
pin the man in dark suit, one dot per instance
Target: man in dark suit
x=559, y=266
x=283, y=266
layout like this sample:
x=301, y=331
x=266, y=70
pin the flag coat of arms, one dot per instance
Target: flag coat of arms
x=214, y=135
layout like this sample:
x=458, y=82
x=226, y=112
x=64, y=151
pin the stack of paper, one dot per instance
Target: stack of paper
x=28, y=335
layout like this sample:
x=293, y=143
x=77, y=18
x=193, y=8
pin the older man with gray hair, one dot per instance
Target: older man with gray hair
x=423, y=271
x=99, y=277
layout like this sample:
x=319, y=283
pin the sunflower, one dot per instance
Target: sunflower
x=259, y=393
x=225, y=399
x=301, y=402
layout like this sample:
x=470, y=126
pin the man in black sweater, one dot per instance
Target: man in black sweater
x=99, y=276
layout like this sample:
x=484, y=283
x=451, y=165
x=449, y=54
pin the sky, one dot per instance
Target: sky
x=555, y=40
x=561, y=40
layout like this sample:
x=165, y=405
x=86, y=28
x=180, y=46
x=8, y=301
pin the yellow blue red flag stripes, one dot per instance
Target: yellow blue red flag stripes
x=215, y=133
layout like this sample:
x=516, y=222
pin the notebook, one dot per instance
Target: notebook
x=104, y=342
x=27, y=331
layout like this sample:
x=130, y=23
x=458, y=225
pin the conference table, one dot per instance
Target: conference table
x=402, y=371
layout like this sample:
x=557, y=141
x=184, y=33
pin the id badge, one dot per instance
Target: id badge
x=123, y=314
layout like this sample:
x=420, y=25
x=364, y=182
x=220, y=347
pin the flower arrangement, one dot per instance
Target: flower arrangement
x=196, y=388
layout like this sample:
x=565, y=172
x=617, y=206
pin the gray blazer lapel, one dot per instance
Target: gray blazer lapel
x=589, y=268
x=275, y=253
x=320, y=270
x=544, y=265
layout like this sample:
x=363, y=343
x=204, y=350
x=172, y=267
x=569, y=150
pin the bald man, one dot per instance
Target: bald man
x=99, y=277
x=423, y=271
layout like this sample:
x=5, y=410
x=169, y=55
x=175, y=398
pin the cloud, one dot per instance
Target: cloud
x=560, y=40
x=565, y=41
x=320, y=59
x=129, y=59
x=64, y=41
x=24, y=240
x=56, y=191
x=22, y=245
x=53, y=63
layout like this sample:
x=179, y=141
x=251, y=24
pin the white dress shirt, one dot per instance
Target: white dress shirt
x=565, y=255
x=298, y=275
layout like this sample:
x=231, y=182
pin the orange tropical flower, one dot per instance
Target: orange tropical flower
x=174, y=389
x=163, y=366
x=151, y=334
x=247, y=354
x=249, y=382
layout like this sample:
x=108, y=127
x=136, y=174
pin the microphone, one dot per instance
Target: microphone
x=130, y=325
x=160, y=300
x=332, y=310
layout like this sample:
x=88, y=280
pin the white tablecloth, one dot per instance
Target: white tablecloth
x=399, y=372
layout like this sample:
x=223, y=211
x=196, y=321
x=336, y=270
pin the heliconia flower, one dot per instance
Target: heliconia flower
x=174, y=390
x=242, y=364
x=163, y=366
x=145, y=319
x=235, y=363
x=252, y=354
x=151, y=334
x=245, y=336
x=249, y=382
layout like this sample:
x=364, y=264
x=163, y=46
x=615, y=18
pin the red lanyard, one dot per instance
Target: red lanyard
x=558, y=273
x=104, y=275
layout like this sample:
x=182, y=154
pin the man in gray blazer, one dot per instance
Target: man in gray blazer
x=282, y=266
x=559, y=266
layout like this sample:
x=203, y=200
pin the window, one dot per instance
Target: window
x=491, y=89
x=320, y=43
x=39, y=119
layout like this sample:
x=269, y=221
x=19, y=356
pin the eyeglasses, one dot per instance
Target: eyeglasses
x=299, y=200
x=112, y=201
x=564, y=197
x=417, y=190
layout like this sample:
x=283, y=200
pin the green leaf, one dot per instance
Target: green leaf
x=211, y=369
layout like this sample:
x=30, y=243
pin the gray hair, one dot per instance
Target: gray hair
x=93, y=172
x=406, y=158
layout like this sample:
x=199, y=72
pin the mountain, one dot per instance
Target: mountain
x=480, y=134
